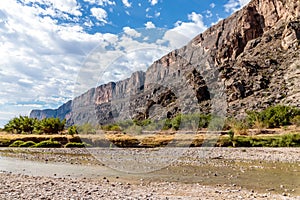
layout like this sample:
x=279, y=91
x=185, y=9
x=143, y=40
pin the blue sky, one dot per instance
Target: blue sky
x=53, y=50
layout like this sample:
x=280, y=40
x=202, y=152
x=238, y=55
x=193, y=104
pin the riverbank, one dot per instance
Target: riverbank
x=199, y=173
x=28, y=187
x=289, y=137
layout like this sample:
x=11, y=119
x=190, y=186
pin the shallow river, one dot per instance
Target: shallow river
x=274, y=177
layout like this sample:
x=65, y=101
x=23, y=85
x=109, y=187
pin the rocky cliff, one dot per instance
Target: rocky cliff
x=248, y=61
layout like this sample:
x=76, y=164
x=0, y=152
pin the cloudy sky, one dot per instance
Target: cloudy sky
x=53, y=50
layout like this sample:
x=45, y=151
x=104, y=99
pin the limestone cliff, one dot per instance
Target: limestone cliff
x=248, y=61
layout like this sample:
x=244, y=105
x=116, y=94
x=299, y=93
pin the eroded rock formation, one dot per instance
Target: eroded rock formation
x=247, y=61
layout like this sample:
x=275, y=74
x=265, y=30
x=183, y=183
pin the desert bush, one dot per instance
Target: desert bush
x=167, y=124
x=4, y=142
x=231, y=135
x=27, y=144
x=74, y=145
x=239, y=127
x=48, y=143
x=144, y=122
x=111, y=127
x=296, y=120
x=72, y=130
x=274, y=116
x=243, y=141
x=16, y=143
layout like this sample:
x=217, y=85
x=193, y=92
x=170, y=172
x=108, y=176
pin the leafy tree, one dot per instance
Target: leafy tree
x=28, y=124
x=52, y=125
x=14, y=125
x=21, y=124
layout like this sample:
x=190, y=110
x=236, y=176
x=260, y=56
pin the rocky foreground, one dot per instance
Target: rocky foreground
x=156, y=185
x=28, y=187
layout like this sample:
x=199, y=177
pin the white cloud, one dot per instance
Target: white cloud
x=101, y=2
x=149, y=25
x=185, y=31
x=131, y=32
x=212, y=5
x=153, y=2
x=44, y=63
x=208, y=14
x=100, y=14
x=58, y=7
x=126, y=3
x=68, y=6
x=40, y=59
x=234, y=5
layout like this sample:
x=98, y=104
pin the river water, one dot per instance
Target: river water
x=36, y=168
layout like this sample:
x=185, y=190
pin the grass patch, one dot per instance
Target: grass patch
x=48, y=144
x=287, y=140
x=16, y=143
x=27, y=144
x=75, y=145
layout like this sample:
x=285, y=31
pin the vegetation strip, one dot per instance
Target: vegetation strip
x=28, y=132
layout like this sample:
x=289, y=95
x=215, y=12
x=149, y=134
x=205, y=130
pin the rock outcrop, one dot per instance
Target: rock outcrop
x=247, y=61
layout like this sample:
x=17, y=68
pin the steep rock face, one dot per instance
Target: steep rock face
x=247, y=61
x=61, y=113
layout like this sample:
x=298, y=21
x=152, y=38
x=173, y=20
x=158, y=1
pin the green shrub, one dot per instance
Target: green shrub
x=231, y=135
x=111, y=127
x=72, y=130
x=125, y=124
x=296, y=120
x=4, y=142
x=243, y=141
x=86, y=128
x=17, y=143
x=237, y=126
x=274, y=116
x=27, y=144
x=204, y=120
x=167, y=124
x=48, y=143
x=74, y=145
x=144, y=122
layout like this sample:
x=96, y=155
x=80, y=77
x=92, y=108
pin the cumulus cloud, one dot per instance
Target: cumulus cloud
x=149, y=25
x=185, y=31
x=131, y=32
x=126, y=3
x=100, y=14
x=234, y=5
x=101, y=2
x=57, y=8
x=212, y=5
x=44, y=62
x=40, y=59
x=153, y=2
